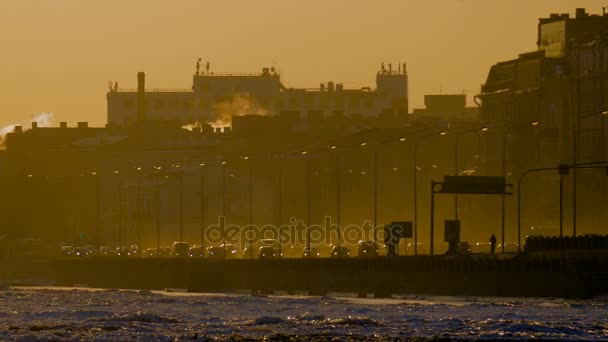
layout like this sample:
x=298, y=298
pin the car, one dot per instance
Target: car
x=195, y=251
x=267, y=253
x=122, y=252
x=164, y=251
x=79, y=252
x=464, y=248
x=339, y=252
x=151, y=252
x=106, y=251
x=134, y=249
x=180, y=249
x=66, y=250
x=222, y=252
x=310, y=253
x=368, y=249
x=91, y=250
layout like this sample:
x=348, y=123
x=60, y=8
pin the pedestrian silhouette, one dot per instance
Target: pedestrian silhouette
x=492, y=243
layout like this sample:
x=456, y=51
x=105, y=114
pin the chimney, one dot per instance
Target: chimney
x=34, y=125
x=330, y=86
x=18, y=129
x=63, y=124
x=339, y=87
x=141, y=96
x=581, y=13
x=83, y=124
x=218, y=129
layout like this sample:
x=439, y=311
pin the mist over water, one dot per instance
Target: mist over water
x=145, y=315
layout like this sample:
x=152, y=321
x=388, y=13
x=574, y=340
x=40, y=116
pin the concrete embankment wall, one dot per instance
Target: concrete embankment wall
x=382, y=276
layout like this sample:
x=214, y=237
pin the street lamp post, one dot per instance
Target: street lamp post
x=416, y=142
x=603, y=114
x=250, y=176
x=202, y=200
x=308, y=205
x=482, y=129
x=504, y=174
x=280, y=205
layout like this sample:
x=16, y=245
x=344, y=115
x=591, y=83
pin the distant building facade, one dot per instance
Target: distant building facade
x=547, y=108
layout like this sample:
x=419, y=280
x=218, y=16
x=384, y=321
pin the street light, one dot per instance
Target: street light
x=477, y=130
x=416, y=142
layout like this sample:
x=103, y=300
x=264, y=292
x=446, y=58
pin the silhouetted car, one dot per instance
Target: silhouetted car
x=339, y=252
x=310, y=253
x=464, y=248
x=180, y=249
x=91, y=250
x=122, y=252
x=151, y=252
x=267, y=253
x=368, y=249
x=66, y=250
x=195, y=252
x=134, y=249
x=79, y=252
x=106, y=251
x=222, y=252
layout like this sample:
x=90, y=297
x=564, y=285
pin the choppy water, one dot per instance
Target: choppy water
x=85, y=314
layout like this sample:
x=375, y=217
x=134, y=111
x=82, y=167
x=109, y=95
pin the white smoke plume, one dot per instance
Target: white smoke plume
x=43, y=120
x=240, y=104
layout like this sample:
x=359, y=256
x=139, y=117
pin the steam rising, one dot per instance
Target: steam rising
x=43, y=120
x=238, y=105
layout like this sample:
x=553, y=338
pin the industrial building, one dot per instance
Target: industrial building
x=216, y=97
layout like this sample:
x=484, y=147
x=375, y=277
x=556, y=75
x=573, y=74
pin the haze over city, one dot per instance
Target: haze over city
x=299, y=170
x=57, y=56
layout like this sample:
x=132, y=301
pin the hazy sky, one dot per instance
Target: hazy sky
x=58, y=55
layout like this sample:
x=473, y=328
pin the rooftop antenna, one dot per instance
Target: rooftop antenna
x=382, y=67
x=399, y=68
x=207, y=67
x=198, y=66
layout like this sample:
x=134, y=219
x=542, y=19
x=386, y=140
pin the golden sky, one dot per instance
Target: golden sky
x=58, y=55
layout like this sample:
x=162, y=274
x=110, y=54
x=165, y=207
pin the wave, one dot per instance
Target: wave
x=140, y=317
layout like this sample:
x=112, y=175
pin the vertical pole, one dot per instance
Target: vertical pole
x=224, y=210
x=415, y=200
x=456, y=174
x=575, y=151
x=375, y=196
x=158, y=220
x=250, y=213
x=432, y=215
x=98, y=207
x=504, y=174
x=203, y=203
x=519, y=213
x=308, y=207
x=120, y=214
x=338, y=198
x=139, y=205
x=561, y=208
x=280, y=195
x=181, y=207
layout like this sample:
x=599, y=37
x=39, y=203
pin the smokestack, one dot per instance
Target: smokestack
x=141, y=96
